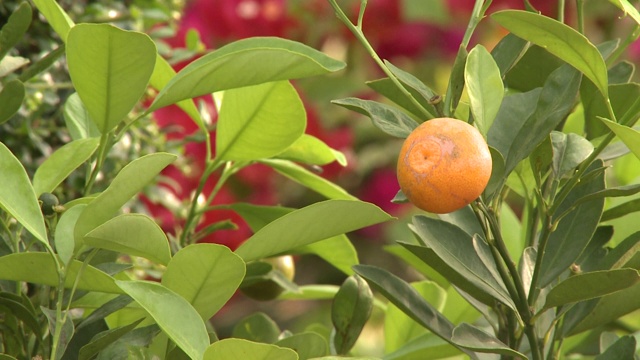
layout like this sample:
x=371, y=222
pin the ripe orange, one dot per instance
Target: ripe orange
x=444, y=164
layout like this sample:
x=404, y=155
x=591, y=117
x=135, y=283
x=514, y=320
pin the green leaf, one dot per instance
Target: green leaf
x=574, y=231
x=57, y=18
x=484, y=87
x=257, y=327
x=560, y=40
x=15, y=307
x=17, y=196
x=456, y=248
x=110, y=69
x=390, y=90
x=66, y=246
x=624, y=348
x=337, y=251
x=61, y=164
x=42, y=64
x=11, y=98
x=424, y=347
x=313, y=223
x=590, y=285
x=129, y=181
x=621, y=210
x=350, y=311
x=66, y=333
x=259, y=121
x=507, y=52
x=104, y=310
x=132, y=234
x=310, y=180
x=569, y=151
x=456, y=82
x=399, y=328
x=426, y=94
x=77, y=119
x=14, y=29
x=389, y=119
x=310, y=150
x=629, y=136
x=532, y=69
x=39, y=267
x=175, y=316
x=214, y=274
x=554, y=104
x=104, y=339
x=628, y=9
x=244, y=349
x=308, y=345
x=272, y=58
x=9, y=64
x=472, y=338
x=407, y=299
x=162, y=74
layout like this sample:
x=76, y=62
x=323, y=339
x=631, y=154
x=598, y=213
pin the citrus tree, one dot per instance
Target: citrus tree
x=551, y=112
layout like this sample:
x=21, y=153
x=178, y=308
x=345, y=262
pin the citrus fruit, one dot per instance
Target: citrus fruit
x=444, y=164
x=48, y=202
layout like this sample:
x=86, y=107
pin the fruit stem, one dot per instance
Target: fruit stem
x=357, y=31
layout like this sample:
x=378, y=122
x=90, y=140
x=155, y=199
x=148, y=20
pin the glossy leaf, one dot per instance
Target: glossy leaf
x=389, y=119
x=313, y=223
x=569, y=151
x=455, y=248
x=127, y=183
x=244, y=349
x=350, y=311
x=629, y=136
x=425, y=93
x=39, y=267
x=257, y=327
x=310, y=180
x=175, y=316
x=310, y=150
x=110, y=69
x=573, y=232
x=399, y=328
x=57, y=18
x=560, y=40
x=259, y=121
x=11, y=97
x=476, y=339
x=66, y=246
x=507, y=52
x=226, y=68
x=77, y=119
x=590, y=285
x=15, y=27
x=308, y=345
x=484, y=87
x=407, y=299
x=132, y=234
x=162, y=74
x=214, y=274
x=17, y=196
x=554, y=104
x=390, y=90
x=62, y=163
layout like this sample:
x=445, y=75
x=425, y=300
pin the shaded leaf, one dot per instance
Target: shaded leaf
x=66, y=246
x=66, y=333
x=104, y=339
x=472, y=338
x=258, y=327
x=507, y=52
x=350, y=311
x=624, y=348
x=11, y=97
x=629, y=136
x=390, y=120
x=14, y=29
x=77, y=119
x=569, y=151
x=307, y=345
x=560, y=40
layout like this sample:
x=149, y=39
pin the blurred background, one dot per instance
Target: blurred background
x=419, y=36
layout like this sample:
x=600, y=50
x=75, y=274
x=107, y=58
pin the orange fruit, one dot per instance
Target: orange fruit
x=444, y=164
